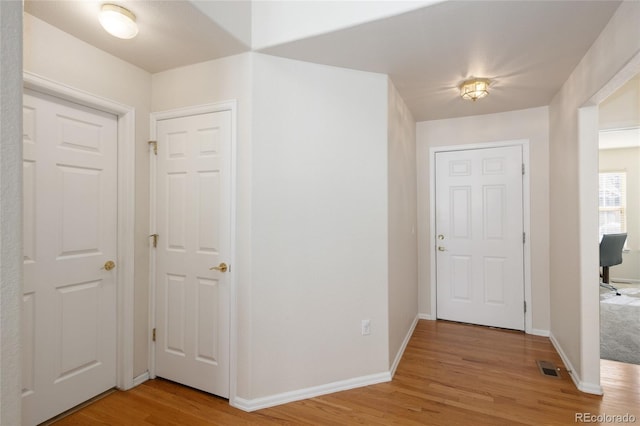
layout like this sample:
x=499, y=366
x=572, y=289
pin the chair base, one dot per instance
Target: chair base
x=610, y=287
x=605, y=280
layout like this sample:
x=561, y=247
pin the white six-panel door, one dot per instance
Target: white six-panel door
x=69, y=301
x=479, y=237
x=193, y=214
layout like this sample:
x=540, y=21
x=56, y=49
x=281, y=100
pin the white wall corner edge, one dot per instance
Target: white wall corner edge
x=428, y=317
x=405, y=342
x=297, y=395
x=592, y=388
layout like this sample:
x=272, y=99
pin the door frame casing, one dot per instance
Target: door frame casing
x=526, y=217
x=125, y=211
x=154, y=117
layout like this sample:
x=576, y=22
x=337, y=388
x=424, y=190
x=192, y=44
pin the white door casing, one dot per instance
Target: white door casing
x=479, y=236
x=193, y=221
x=70, y=227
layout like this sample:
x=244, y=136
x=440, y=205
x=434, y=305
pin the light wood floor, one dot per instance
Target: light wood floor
x=451, y=374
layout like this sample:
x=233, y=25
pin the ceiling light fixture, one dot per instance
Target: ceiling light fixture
x=475, y=88
x=118, y=21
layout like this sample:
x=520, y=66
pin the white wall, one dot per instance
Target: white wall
x=531, y=124
x=403, y=245
x=312, y=246
x=10, y=210
x=60, y=57
x=216, y=81
x=319, y=225
x=573, y=171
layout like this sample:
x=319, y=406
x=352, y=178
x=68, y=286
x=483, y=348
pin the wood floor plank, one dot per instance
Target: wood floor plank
x=450, y=374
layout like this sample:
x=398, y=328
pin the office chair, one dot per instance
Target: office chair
x=610, y=255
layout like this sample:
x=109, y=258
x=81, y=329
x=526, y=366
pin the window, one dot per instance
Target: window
x=613, y=202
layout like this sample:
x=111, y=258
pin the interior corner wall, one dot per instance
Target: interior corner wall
x=204, y=83
x=279, y=22
x=60, y=57
x=574, y=297
x=403, y=244
x=319, y=225
x=10, y=210
x=531, y=124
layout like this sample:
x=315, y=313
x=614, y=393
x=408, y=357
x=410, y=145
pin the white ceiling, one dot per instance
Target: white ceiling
x=172, y=33
x=528, y=48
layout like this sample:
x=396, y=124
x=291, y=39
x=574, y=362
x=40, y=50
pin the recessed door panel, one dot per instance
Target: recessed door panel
x=207, y=317
x=28, y=343
x=77, y=134
x=209, y=141
x=208, y=234
x=176, y=208
x=29, y=211
x=494, y=207
x=79, y=329
x=80, y=189
x=461, y=288
x=176, y=145
x=494, y=280
x=460, y=212
x=175, y=317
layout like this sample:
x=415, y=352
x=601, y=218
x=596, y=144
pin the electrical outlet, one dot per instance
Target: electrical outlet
x=366, y=327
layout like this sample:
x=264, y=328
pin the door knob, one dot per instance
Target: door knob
x=440, y=248
x=441, y=237
x=109, y=265
x=222, y=267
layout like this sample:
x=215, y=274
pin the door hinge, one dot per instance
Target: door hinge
x=154, y=238
x=522, y=169
x=153, y=335
x=524, y=238
x=525, y=307
x=155, y=146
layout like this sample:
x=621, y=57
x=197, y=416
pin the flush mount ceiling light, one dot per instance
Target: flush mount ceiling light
x=118, y=21
x=475, y=88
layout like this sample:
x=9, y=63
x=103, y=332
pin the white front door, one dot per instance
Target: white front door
x=479, y=237
x=193, y=214
x=69, y=299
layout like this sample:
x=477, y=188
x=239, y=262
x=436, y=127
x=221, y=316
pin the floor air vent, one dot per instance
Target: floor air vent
x=548, y=369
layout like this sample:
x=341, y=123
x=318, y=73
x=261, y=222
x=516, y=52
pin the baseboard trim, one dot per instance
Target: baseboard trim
x=624, y=280
x=405, y=342
x=591, y=388
x=140, y=379
x=537, y=332
x=286, y=397
x=426, y=317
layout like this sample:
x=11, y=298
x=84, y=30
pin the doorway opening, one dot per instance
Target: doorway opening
x=619, y=213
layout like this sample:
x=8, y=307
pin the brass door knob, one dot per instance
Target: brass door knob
x=222, y=267
x=440, y=248
x=109, y=265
